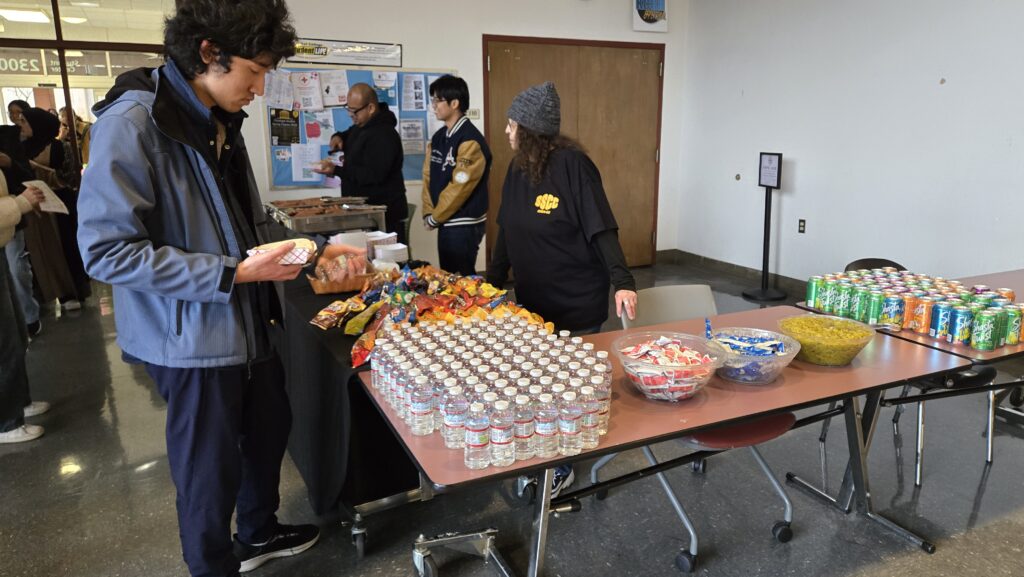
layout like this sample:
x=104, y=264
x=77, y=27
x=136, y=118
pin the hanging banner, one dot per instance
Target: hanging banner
x=317, y=51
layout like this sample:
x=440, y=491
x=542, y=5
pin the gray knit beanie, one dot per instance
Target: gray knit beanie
x=538, y=108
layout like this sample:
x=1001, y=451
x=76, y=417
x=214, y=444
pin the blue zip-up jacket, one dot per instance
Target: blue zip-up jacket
x=153, y=223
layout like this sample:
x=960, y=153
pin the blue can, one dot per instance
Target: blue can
x=960, y=326
x=893, y=310
x=942, y=313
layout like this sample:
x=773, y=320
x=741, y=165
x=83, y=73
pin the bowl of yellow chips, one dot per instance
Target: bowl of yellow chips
x=827, y=340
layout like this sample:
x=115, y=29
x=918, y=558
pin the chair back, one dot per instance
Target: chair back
x=870, y=263
x=663, y=304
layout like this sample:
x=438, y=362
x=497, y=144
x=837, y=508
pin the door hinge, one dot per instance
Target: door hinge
x=654, y=240
x=657, y=155
x=488, y=62
x=661, y=69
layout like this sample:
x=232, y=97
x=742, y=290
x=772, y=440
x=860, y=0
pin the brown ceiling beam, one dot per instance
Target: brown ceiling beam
x=80, y=45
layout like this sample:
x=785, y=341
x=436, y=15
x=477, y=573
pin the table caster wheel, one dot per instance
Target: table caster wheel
x=686, y=561
x=782, y=532
x=1017, y=397
x=429, y=567
x=699, y=466
x=359, y=540
x=528, y=493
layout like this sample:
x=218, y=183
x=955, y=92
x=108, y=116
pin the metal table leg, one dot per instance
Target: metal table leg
x=859, y=468
x=541, y=513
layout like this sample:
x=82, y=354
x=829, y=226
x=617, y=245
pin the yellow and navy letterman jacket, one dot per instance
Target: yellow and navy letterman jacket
x=455, y=172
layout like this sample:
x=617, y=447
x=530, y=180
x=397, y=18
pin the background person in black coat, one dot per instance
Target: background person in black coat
x=373, y=157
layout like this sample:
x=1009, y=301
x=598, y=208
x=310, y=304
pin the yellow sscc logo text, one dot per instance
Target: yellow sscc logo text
x=545, y=203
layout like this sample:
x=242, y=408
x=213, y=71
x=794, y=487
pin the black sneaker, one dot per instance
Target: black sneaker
x=289, y=540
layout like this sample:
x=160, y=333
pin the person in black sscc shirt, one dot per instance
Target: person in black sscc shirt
x=557, y=230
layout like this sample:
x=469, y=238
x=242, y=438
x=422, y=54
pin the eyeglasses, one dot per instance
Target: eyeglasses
x=434, y=101
x=355, y=111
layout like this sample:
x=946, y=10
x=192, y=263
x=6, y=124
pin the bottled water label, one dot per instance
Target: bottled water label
x=421, y=409
x=524, y=429
x=569, y=426
x=454, y=420
x=477, y=438
x=546, y=428
x=591, y=420
x=501, y=435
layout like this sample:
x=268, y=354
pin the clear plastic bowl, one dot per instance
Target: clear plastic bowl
x=826, y=340
x=668, y=382
x=755, y=369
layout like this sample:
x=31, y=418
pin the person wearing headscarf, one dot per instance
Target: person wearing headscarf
x=53, y=246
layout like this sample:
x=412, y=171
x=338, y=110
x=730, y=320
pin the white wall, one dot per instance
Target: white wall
x=450, y=36
x=882, y=157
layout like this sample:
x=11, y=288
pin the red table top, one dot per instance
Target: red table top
x=637, y=421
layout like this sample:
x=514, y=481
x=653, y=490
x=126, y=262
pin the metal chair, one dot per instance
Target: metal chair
x=681, y=302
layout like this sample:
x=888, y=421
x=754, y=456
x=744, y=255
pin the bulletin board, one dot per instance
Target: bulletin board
x=305, y=106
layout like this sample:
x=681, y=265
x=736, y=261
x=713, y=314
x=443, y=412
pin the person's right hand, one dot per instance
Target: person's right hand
x=326, y=167
x=264, y=267
x=33, y=195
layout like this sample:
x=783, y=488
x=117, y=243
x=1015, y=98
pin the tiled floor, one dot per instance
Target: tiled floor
x=93, y=498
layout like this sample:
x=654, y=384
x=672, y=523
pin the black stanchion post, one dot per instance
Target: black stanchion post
x=771, y=173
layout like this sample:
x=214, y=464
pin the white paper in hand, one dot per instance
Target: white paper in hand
x=51, y=202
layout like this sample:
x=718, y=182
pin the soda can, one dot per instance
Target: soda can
x=909, y=305
x=941, y=314
x=1007, y=293
x=960, y=326
x=923, y=315
x=859, y=304
x=966, y=295
x=1000, y=302
x=983, y=331
x=956, y=301
x=977, y=307
x=1001, y=320
x=873, y=313
x=979, y=288
x=1013, y=323
x=828, y=295
x=841, y=306
x=814, y=286
x=984, y=298
x=893, y=308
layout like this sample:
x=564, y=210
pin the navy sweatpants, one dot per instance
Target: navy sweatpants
x=226, y=437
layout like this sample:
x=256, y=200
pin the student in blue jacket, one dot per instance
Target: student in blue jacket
x=167, y=210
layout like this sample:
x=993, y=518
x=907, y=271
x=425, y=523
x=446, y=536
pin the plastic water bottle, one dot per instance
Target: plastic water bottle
x=570, y=416
x=590, y=423
x=378, y=361
x=454, y=406
x=545, y=416
x=421, y=407
x=478, y=451
x=524, y=428
x=503, y=450
x=398, y=384
x=439, y=383
x=488, y=400
x=406, y=395
x=603, y=392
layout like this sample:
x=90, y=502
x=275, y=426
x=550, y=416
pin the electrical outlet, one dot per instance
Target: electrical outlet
x=801, y=226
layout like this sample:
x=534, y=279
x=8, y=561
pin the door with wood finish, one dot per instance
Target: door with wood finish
x=618, y=126
x=611, y=102
x=515, y=67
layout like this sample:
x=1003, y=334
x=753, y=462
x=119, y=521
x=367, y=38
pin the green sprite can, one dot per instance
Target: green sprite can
x=829, y=295
x=844, y=296
x=983, y=330
x=1001, y=320
x=1013, y=323
x=966, y=296
x=859, y=304
x=814, y=287
x=977, y=307
x=874, y=309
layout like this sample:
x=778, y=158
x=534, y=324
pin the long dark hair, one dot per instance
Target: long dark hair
x=45, y=127
x=533, y=151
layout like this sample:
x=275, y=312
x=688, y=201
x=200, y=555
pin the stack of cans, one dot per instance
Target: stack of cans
x=977, y=316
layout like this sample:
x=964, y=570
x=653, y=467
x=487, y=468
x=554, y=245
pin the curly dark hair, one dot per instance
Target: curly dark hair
x=533, y=151
x=243, y=28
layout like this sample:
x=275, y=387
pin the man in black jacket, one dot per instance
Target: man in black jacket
x=373, y=157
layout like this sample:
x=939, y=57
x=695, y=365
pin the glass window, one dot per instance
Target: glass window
x=135, y=21
x=29, y=19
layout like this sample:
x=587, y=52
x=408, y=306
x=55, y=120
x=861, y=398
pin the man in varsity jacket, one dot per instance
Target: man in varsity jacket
x=455, y=173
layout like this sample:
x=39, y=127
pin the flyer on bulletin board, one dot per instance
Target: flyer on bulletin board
x=306, y=87
x=334, y=84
